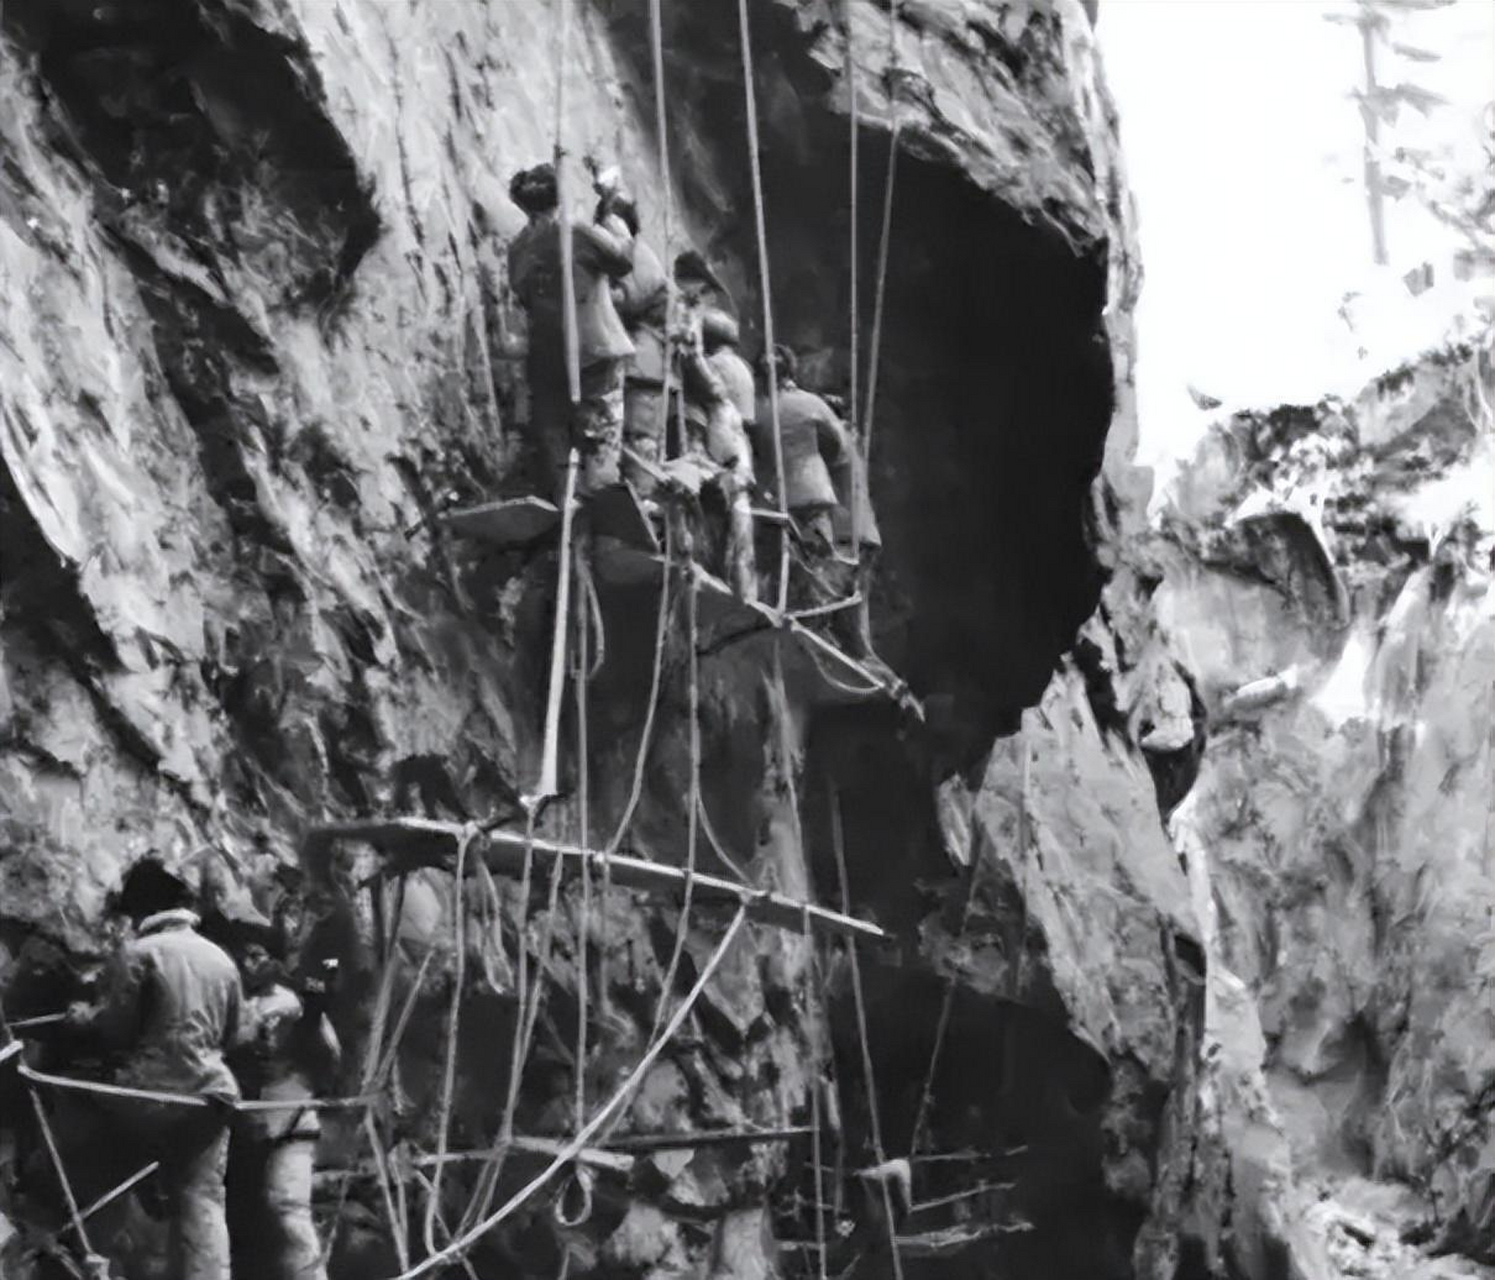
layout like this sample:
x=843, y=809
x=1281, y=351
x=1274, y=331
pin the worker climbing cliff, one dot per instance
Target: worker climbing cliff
x=611, y=784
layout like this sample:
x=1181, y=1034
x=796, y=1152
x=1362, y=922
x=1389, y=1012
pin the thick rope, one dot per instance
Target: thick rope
x=453, y=1030
x=766, y=291
x=868, y=417
x=662, y=135
x=563, y=200
x=656, y=677
x=466, y=1239
x=584, y=922
x=487, y=1180
x=546, y=787
x=947, y=1005
x=693, y=812
x=397, y=1231
x=717, y=847
x=854, y=327
x=874, y=1120
x=816, y=1157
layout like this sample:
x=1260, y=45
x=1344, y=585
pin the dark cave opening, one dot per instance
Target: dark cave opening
x=995, y=385
x=994, y=398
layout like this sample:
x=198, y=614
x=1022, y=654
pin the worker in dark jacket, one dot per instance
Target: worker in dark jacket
x=287, y=1052
x=858, y=543
x=814, y=442
x=170, y=1010
x=601, y=253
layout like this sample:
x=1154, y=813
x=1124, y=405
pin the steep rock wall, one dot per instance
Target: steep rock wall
x=255, y=333
x=1327, y=583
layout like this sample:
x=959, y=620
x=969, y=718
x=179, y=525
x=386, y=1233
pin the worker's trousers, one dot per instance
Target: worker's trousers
x=192, y=1172
x=293, y=1251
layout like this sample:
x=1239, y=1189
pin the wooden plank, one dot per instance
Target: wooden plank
x=409, y=843
x=511, y=523
x=704, y=1138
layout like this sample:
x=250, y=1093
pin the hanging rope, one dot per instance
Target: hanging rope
x=816, y=1158
x=854, y=326
x=894, y=126
x=874, y=1120
x=453, y=1027
x=766, y=290
x=661, y=133
x=466, y=1239
x=693, y=813
x=947, y=1005
x=547, y=785
x=563, y=201
x=584, y=922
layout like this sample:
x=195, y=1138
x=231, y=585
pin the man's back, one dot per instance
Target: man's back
x=536, y=275
x=737, y=377
x=813, y=441
x=187, y=1005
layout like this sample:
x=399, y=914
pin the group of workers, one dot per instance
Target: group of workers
x=659, y=377
x=187, y=1029
x=650, y=373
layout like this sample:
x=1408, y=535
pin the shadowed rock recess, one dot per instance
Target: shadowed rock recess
x=254, y=335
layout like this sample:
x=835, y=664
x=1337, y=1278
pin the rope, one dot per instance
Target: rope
x=766, y=290
x=563, y=200
x=875, y=1122
x=584, y=822
x=854, y=328
x=661, y=131
x=947, y=1005
x=655, y=680
x=887, y=232
x=546, y=787
x=397, y=1232
x=105, y=1089
x=717, y=847
x=815, y=1152
x=487, y=1178
x=487, y=1181
x=693, y=813
x=453, y=1028
x=466, y=1239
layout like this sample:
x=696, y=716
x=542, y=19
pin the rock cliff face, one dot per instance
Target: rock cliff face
x=254, y=334
x=1327, y=583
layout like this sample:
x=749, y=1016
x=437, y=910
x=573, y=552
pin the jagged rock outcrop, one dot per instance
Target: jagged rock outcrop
x=1326, y=581
x=255, y=335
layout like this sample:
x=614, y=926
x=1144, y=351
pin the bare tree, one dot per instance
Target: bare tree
x=1380, y=103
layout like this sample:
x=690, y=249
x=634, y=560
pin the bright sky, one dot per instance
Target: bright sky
x=1243, y=150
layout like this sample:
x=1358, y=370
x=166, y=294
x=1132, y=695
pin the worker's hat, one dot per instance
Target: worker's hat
x=718, y=328
x=692, y=266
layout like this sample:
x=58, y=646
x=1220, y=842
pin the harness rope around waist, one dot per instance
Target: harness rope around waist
x=105, y=1089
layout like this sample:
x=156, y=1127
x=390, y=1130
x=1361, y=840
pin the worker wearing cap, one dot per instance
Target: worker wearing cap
x=814, y=442
x=602, y=253
x=170, y=1010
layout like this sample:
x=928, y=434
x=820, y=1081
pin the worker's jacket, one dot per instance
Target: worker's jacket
x=280, y=1055
x=172, y=1008
x=643, y=301
x=537, y=276
x=736, y=376
x=814, y=442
